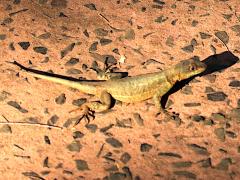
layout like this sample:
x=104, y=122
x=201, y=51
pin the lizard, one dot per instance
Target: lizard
x=127, y=89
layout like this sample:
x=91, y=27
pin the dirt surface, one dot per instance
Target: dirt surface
x=128, y=141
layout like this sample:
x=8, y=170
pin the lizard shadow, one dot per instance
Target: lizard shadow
x=216, y=62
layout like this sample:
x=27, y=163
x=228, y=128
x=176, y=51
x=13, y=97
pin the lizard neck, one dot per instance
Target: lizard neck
x=172, y=75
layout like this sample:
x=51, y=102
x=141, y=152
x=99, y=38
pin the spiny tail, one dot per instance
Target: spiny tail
x=67, y=81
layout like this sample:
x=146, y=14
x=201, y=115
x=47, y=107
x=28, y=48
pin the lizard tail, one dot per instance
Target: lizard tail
x=84, y=86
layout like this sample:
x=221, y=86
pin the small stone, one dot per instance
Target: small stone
x=93, y=47
x=161, y=19
x=145, y=147
x=194, y=23
x=101, y=32
x=4, y=95
x=104, y=41
x=117, y=176
x=224, y=164
x=193, y=104
x=198, y=149
x=85, y=32
x=72, y=62
x=5, y=129
x=220, y=133
x=194, y=42
x=61, y=99
x=7, y=21
x=90, y=6
x=79, y=102
x=185, y=174
x=129, y=34
x=67, y=49
x=114, y=142
x=170, y=41
x=198, y=118
x=81, y=165
x=169, y=154
x=53, y=119
x=138, y=119
x=47, y=140
x=188, y=48
x=17, y=106
x=187, y=90
x=3, y=37
x=59, y=3
x=235, y=114
x=205, y=35
x=236, y=28
x=41, y=50
x=73, y=71
x=223, y=36
x=218, y=117
x=77, y=134
x=91, y=127
x=205, y=163
x=216, y=96
x=227, y=16
x=231, y=134
x=125, y=157
x=45, y=36
x=24, y=45
x=234, y=83
x=75, y=146
x=209, y=90
x=182, y=164
x=211, y=77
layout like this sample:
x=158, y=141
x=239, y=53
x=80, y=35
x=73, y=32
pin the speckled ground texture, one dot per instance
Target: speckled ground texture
x=128, y=141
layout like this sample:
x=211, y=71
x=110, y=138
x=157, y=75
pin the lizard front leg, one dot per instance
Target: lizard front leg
x=157, y=100
x=96, y=106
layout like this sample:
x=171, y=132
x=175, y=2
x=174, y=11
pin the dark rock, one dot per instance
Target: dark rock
x=216, y=96
x=114, y=142
x=41, y=50
x=223, y=36
x=77, y=134
x=75, y=146
x=104, y=41
x=72, y=62
x=61, y=99
x=91, y=127
x=185, y=174
x=125, y=157
x=59, y=3
x=220, y=133
x=198, y=149
x=81, y=165
x=234, y=83
x=169, y=154
x=205, y=35
x=90, y=6
x=145, y=147
x=93, y=47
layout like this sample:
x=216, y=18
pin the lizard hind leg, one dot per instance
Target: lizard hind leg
x=89, y=108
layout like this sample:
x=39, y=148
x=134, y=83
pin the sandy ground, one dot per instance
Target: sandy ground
x=127, y=142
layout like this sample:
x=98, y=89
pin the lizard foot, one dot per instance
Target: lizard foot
x=87, y=114
x=168, y=116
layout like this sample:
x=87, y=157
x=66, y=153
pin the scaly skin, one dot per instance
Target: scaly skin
x=129, y=89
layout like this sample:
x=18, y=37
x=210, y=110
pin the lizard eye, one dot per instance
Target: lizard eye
x=192, y=68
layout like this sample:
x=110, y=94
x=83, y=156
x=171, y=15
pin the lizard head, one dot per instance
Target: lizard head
x=189, y=68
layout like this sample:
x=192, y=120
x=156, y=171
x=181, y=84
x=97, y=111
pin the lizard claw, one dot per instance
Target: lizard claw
x=87, y=114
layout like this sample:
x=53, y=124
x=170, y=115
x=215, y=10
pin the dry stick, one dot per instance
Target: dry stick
x=30, y=124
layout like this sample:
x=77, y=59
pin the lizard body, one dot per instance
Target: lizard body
x=129, y=89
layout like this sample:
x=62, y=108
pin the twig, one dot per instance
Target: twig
x=31, y=124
